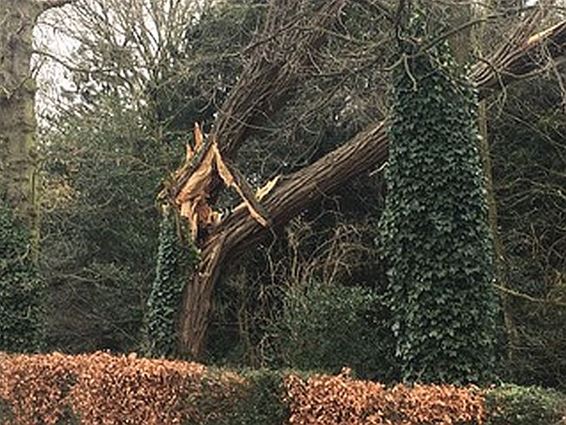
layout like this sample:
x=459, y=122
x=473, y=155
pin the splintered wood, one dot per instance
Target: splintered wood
x=203, y=164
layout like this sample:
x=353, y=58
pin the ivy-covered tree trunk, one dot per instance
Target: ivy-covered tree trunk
x=175, y=259
x=20, y=289
x=436, y=237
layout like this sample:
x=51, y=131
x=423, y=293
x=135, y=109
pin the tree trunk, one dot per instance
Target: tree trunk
x=515, y=60
x=17, y=116
x=17, y=109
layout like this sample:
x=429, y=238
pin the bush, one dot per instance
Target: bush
x=20, y=289
x=339, y=400
x=99, y=388
x=328, y=327
x=514, y=405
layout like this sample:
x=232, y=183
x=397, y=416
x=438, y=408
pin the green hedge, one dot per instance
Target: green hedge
x=515, y=405
x=258, y=402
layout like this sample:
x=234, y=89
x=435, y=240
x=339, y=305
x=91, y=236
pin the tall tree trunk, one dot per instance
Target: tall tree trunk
x=517, y=58
x=17, y=109
x=17, y=117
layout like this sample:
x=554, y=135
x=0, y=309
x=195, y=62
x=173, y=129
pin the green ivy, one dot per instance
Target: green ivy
x=436, y=239
x=175, y=259
x=20, y=289
x=6, y=413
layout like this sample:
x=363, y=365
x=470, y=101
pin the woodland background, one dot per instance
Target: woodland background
x=138, y=74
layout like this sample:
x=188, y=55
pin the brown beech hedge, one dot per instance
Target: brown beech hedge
x=99, y=388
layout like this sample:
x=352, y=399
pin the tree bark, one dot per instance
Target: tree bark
x=517, y=59
x=17, y=116
x=17, y=105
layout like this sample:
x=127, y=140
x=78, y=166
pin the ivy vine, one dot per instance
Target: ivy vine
x=21, y=291
x=436, y=240
x=175, y=259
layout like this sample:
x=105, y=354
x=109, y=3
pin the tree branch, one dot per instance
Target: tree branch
x=360, y=155
x=51, y=4
x=379, y=7
x=270, y=75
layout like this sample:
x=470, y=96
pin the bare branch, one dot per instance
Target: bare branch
x=51, y=4
x=379, y=7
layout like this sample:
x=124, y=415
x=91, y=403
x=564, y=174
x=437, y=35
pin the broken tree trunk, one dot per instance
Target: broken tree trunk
x=283, y=54
x=517, y=59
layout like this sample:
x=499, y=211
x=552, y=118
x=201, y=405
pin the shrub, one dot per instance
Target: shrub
x=436, y=239
x=338, y=400
x=328, y=327
x=56, y=389
x=514, y=405
x=34, y=388
x=20, y=288
x=100, y=388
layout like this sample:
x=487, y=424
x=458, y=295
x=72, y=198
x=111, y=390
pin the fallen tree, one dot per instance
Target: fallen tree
x=520, y=57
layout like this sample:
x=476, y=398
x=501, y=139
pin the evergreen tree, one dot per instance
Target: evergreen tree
x=436, y=238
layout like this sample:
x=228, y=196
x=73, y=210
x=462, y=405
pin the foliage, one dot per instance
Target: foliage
x=514, y=405
x=435, y=235
x=175, y=259
x=21, y=291
x=265, y=401
x=328, y=327
x=101, y=172
x=201, y=67
x=101, y=388
x=528, y=148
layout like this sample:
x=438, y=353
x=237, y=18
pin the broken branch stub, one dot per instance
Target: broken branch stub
x=193, y=180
